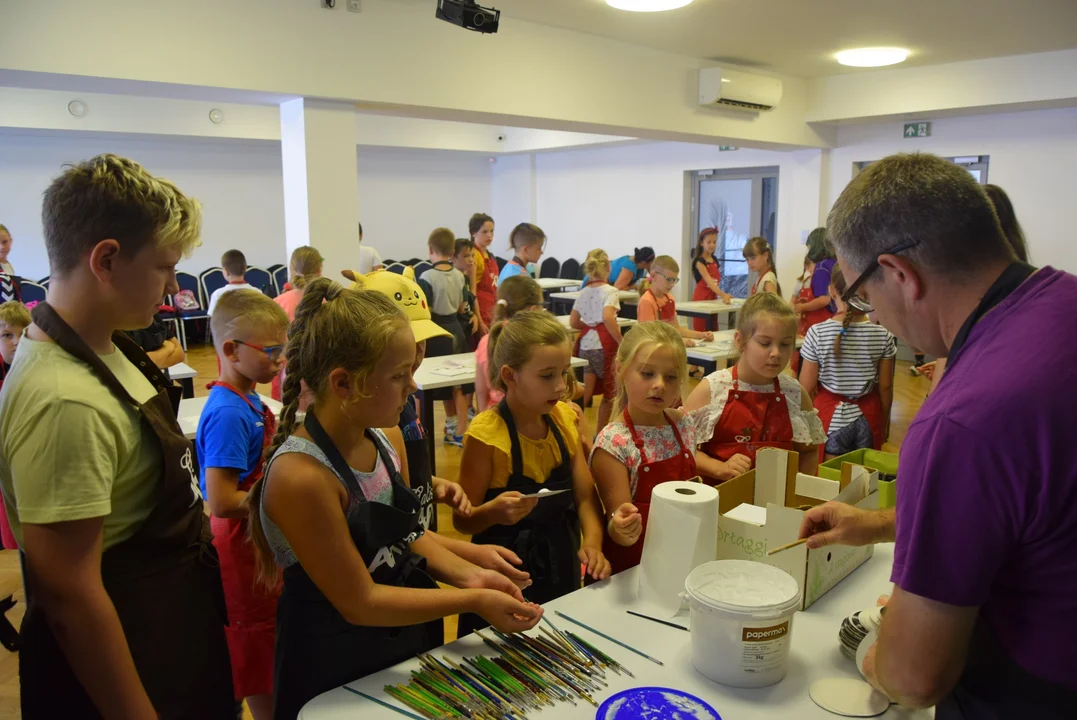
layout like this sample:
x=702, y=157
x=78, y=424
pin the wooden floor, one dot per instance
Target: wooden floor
x=909, y=394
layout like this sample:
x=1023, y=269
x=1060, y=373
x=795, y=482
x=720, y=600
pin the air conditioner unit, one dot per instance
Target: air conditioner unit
x=738, y=90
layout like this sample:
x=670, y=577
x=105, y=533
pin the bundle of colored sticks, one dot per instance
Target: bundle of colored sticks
x=527, y=674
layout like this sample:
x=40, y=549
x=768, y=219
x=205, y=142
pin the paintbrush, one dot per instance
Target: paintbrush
x=613, y=640
x=778, y=549
x=386, y=705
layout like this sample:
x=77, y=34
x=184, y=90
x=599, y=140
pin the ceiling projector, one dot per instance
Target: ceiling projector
x=469, y=15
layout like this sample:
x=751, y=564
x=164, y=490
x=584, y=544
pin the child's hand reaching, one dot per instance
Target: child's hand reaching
x=451, y=494
x=689, y=342
x=625, y=525
x=708, y=337
x=598, y=566
x=500, y=560
x=511, y=507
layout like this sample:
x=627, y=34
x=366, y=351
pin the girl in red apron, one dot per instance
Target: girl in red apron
x=647, y=443
x=594, y=317
x=234, y=429
x=802, y=293
x=849, y=367
x=755, y=404
x=706, y=273
x=481, y=228
x=760, y=259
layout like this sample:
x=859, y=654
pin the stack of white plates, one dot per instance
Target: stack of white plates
x=856, y=627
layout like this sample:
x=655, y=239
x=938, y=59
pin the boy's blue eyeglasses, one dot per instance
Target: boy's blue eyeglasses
x=272, y=352
x=850, y=297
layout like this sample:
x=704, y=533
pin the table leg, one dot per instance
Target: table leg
x=188, y=387
x=426, y=412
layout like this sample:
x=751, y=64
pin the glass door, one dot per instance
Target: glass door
x=741, y=204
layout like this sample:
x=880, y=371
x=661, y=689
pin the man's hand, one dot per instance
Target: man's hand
x=837, y=523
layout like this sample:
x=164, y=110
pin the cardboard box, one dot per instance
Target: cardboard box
x=764, y=508
x=885, y=463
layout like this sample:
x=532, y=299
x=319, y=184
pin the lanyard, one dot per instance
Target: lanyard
x=1010, y=279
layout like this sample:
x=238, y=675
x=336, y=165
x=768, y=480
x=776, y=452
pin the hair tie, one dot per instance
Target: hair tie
x=844, y=331
x=333, y=291
x=503, y=301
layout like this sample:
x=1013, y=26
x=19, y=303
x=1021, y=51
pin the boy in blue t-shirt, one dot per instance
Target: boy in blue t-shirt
x=249, y=332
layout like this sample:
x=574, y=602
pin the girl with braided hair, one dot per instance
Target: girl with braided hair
x=334, y=512
x=849, y=369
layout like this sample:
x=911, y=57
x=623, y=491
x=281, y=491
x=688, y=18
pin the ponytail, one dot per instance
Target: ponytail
x=759, y=246
x=837, y=281
x=516, y=294
x=333, y=328
x=266, y=571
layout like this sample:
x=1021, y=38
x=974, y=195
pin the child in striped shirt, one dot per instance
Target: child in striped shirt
x=848, y=367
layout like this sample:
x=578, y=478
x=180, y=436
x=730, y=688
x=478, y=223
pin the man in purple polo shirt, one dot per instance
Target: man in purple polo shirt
x=983, y=618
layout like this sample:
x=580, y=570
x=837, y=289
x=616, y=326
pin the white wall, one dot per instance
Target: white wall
x=513, y=198
x=620, y=198
x=1033, y=157
x=403, y=194
x=239, y=184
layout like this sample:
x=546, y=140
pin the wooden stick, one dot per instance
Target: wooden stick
x=778, y=549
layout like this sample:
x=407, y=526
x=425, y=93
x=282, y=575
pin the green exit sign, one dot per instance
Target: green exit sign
x=917, y=129
x=725, y=148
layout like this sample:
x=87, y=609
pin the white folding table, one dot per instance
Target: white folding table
x=814, y=655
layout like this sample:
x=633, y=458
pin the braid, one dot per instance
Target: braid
x=266, y=571
x=837, y=281
x=845, y=322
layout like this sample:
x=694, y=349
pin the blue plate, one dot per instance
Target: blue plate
x=651, y=703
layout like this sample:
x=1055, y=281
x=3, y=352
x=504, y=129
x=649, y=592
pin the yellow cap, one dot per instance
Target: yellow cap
x=408, y=296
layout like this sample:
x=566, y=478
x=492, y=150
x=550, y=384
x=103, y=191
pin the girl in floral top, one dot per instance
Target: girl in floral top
x=647, y=442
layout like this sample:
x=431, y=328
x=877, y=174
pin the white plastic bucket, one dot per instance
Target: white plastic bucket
x=742, y=621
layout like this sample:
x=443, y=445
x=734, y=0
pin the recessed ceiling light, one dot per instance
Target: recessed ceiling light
x=647, y=5
x=872, y=57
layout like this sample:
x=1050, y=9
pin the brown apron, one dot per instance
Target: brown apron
x=164, y=580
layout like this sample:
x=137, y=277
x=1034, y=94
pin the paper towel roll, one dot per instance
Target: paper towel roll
x=682, y=533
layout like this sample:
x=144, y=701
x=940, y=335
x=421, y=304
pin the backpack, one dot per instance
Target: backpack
x=185, y=300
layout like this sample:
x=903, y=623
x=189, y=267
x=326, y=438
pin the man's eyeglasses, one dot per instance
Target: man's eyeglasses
x=272, y=352
x=850, y=296
x=671, y=281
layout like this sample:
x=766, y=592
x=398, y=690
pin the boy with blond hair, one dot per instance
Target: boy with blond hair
x=14, y=319
x=445, y=286
x=249, y=333
x=123, y=615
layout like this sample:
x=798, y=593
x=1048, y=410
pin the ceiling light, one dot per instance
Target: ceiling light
x=872, y=57
x=647, y=5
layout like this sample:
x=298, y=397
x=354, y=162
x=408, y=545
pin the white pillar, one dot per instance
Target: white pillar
x=321, y=181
